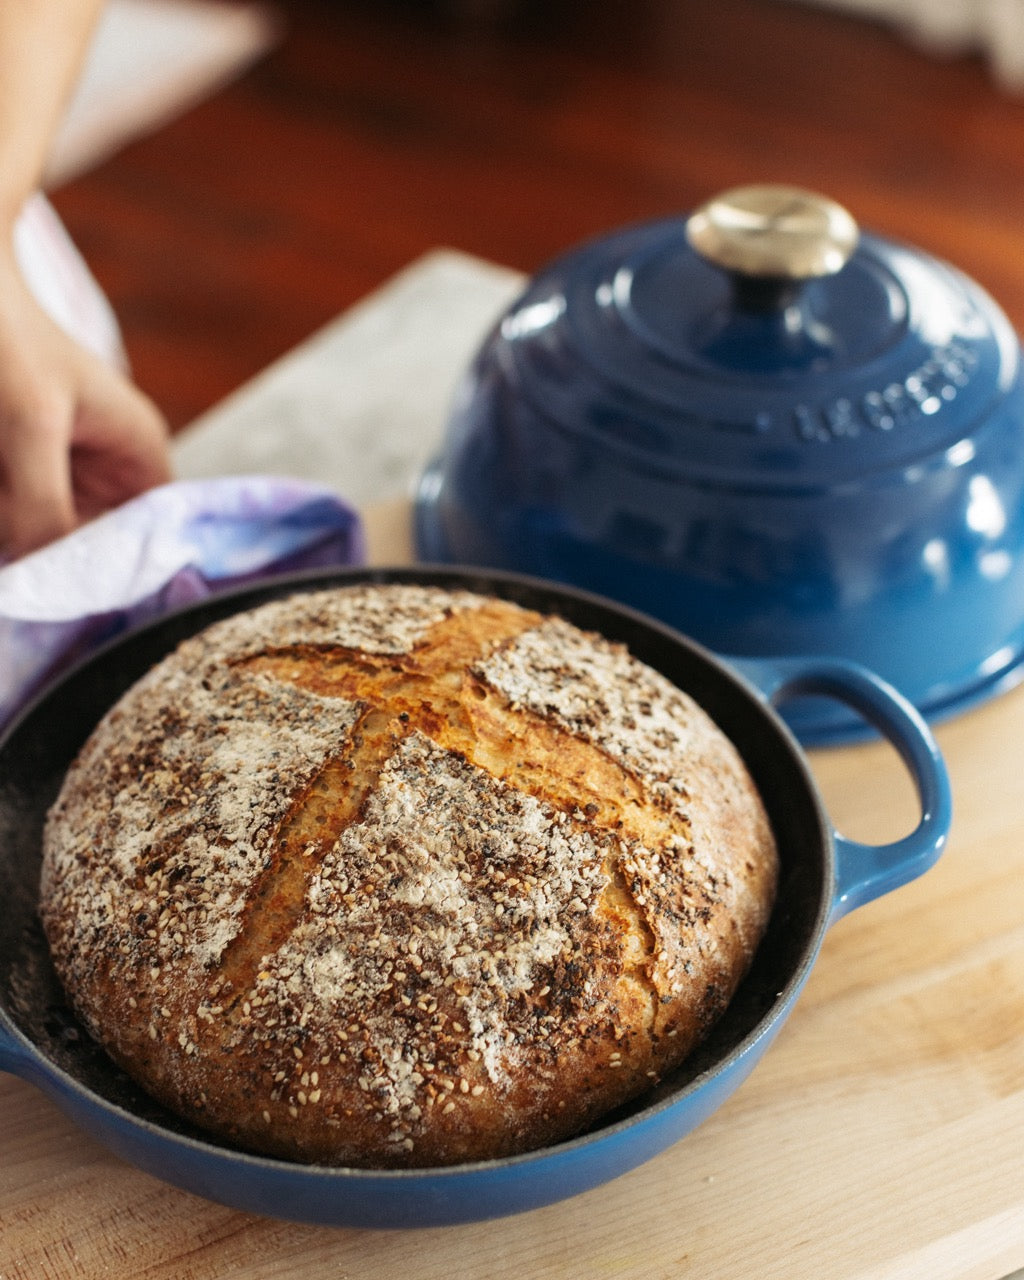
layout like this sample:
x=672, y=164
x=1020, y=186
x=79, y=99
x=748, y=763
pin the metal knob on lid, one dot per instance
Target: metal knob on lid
x=775, y=232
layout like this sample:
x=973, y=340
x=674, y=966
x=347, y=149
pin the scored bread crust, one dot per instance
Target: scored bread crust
x=394, y=876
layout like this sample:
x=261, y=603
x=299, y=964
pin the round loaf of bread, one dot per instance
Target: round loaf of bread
x=391, y=875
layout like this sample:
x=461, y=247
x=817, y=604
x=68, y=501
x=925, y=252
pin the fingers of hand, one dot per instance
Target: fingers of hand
x=72, y=448
x=119, y=444
x=36, y=502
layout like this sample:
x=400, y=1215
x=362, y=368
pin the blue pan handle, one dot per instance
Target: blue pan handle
x=864, y=871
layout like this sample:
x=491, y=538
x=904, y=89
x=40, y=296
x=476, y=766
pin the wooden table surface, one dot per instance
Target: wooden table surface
x=879, y=1137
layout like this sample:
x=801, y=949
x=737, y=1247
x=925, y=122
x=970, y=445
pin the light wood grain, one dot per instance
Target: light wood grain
x=878, y=1139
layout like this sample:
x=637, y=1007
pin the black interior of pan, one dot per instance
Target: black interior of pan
x=39, y=747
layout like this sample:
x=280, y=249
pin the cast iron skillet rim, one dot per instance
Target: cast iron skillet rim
x=51, y=1078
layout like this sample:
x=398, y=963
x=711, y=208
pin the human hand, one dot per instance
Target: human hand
x=76, y=437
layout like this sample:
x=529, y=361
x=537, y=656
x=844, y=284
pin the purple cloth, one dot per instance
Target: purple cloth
x=174, y=545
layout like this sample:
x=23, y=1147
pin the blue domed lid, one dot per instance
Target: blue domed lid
x=735, y=345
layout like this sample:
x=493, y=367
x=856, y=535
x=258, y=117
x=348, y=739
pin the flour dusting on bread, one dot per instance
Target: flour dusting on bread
x=392, y=875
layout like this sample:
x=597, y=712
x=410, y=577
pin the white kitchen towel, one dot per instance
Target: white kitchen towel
x=149, y=61
x=171, y=546
x=62, y=283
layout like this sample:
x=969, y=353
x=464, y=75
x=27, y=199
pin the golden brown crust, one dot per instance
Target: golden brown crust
x=391, y=876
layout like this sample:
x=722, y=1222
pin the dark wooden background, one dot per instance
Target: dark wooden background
x=512, y=129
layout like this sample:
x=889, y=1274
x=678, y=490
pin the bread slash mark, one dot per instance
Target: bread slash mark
x=435, y=690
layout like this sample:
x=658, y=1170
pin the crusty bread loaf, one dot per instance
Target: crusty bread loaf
x=396, y=876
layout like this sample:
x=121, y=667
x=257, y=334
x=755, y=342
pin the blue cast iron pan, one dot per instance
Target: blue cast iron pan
x=823, y=876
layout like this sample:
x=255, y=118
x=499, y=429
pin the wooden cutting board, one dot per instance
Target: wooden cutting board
x=882, y=1136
